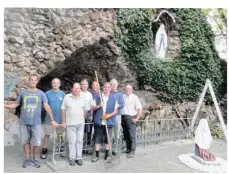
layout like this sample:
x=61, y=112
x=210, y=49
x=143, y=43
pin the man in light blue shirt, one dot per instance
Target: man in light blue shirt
x=55, y=99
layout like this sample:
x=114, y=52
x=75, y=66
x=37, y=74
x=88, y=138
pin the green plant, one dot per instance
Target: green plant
x=136, y=33
x=184, y=77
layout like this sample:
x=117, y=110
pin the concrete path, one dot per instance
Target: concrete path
x=155, y=158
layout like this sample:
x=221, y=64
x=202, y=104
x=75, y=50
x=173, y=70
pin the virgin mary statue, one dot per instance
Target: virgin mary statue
x=161, y=42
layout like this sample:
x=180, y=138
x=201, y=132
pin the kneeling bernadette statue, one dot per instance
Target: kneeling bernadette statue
x=203, y=140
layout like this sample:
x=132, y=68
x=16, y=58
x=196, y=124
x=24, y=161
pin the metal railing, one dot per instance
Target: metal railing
x=158, y=130
x=148, y=132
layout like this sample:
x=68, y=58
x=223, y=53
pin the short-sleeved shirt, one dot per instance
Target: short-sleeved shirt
x=105, y=100
x=132, y=104
x=55, y=100
x=32, y=103
x=74, y=109
x=87, y=96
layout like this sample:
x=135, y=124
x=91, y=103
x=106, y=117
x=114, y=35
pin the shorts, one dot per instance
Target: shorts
x=30, y=134
x=48, y=129
x=100, y=134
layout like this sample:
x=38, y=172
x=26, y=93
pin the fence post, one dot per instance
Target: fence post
x=155, y=134
x=144, y=135
x=85, y=146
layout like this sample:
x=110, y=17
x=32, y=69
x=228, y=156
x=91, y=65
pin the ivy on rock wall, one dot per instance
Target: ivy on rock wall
x=136, y=36
x=185, y=76
x=199, y=53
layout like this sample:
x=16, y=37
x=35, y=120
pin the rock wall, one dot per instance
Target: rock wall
x=49, y=42
x=11, y=128
x=182, y=110
x=39, y=40
x=71, y=44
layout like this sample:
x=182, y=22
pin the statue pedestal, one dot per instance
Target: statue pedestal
x=189, y=160
x=205, y=162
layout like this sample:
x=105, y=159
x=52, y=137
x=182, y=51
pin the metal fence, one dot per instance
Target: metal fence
x=158, y=130
x=148, y=132
x=151, y=132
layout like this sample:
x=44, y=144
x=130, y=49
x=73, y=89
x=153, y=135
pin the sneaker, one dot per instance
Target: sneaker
x=107, y=157
x=79, y=162
x=95, y=159
x=62, y=149
x=127, y=151
x=114, y=153
x=44, y=153
x=36, y=163
x=72, y=162
x=26, y=163
x=85, y=151
x=130, y=155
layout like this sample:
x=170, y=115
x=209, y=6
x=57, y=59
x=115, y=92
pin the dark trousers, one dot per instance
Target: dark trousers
x=88, y=128
x=129, y=131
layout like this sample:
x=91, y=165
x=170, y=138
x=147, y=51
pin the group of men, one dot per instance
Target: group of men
x=109, y=111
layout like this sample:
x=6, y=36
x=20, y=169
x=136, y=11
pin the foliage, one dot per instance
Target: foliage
x=219, y=17
x=184, y=77
x=136, y=28
x=199, y=51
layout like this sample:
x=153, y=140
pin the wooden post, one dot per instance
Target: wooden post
x=199, y=105
x=101, y=99
x=209, y=85
x=217, y=109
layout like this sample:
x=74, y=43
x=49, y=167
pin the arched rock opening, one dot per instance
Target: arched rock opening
x=102, y=56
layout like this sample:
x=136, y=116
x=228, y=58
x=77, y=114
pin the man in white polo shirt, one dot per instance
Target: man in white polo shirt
x=74, y=110
x=130, y=114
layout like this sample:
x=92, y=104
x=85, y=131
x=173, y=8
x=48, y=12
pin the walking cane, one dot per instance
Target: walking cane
x=101, y=99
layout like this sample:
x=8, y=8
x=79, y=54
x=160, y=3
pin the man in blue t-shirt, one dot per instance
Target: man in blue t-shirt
x=55, y=99
x=32, y=100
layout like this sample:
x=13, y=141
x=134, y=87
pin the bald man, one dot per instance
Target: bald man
x=130, y=114
x=74, y=110
x=55, y=98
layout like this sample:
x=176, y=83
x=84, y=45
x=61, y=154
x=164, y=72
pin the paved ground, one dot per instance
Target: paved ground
x=156, y=158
